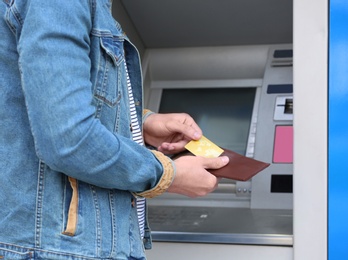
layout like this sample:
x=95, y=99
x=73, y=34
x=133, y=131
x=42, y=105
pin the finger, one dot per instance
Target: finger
x=170, y=148
x=190, y=129
x=215, y=163
x=166, y=148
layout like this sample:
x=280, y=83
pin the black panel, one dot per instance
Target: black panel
x=279, y=89
x=281, y=183
x=282, y=54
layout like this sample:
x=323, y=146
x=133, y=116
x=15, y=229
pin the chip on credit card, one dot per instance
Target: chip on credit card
x=204, y=147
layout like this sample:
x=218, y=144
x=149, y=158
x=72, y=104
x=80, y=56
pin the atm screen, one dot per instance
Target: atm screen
x=224, y=114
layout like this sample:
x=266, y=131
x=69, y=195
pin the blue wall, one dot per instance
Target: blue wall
x=338, y=131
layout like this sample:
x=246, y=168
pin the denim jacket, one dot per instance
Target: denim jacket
x=69, y=169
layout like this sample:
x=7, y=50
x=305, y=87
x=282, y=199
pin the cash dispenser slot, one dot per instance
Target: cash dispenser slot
x=288, y=106
x=283, y=108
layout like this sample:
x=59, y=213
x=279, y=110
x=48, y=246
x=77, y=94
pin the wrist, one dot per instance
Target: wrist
x=168, y=175
x=146, y=114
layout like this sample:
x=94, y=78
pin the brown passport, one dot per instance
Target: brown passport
x=240, y=168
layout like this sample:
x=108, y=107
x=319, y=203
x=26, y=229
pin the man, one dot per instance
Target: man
x=73, y=163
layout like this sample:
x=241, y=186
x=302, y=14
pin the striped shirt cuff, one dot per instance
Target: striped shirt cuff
x=146, y=113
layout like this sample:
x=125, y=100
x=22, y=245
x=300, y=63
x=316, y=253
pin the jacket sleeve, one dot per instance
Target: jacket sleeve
x=53, y=47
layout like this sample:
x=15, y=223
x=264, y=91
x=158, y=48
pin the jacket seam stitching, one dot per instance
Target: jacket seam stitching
x=39, y=205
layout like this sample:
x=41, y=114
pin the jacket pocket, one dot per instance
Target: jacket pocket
x=110, y=70
x=71, y=223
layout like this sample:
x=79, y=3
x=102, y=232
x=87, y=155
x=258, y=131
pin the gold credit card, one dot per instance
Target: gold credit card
x=204, y=147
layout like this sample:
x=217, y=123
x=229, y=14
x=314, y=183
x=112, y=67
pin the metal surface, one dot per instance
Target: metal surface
x=182, y=23
x=221, y=225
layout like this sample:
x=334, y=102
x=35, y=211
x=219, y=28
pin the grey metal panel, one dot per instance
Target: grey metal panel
x=310, y=122
x=203, y=251
x=183, y=23
x=221, y=225
x=261, y=196
x=218, y=238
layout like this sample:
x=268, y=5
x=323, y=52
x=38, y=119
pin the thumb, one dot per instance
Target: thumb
x=191, y=131
x=216, y=163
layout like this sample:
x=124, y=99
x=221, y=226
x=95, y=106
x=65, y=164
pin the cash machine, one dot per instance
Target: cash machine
x=242, y=98
x=267, y=217
x=281, y=213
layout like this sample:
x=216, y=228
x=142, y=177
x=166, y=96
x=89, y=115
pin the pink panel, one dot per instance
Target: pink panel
x=283, y=144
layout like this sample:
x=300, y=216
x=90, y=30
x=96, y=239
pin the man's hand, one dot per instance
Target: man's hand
x=192, y=179
x=169, y=133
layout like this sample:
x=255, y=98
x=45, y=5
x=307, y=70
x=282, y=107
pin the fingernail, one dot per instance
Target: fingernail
x=225, y=159
x=196, y=135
